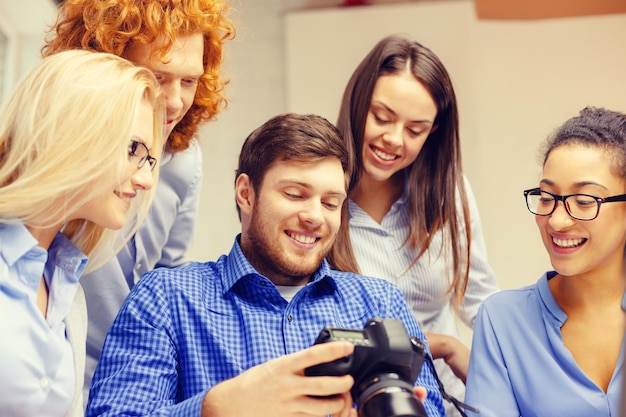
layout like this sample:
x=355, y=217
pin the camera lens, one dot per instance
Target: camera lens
x=386, y=395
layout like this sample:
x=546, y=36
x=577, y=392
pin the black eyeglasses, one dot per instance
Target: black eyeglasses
x=578, y=206
x=138, y=152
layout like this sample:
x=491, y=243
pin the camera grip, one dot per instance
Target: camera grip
x=338, y=367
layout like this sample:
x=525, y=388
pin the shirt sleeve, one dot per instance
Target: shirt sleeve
x=488, y=387
x=138, y=370
x=482, y=280
x=180, y=237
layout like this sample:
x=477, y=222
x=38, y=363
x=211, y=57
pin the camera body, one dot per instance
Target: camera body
x=385, y=364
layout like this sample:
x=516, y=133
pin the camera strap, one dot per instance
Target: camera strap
x=459, y=405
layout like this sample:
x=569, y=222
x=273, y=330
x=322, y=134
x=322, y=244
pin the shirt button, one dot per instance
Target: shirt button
x=43, y=382
x=138, y=266
x=289, y=317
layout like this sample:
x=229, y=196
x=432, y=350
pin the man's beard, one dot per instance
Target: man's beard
x=269, y=258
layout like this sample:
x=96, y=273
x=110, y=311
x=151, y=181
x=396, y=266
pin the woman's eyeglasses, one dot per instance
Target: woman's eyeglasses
x=139, y=153
x=578, y=206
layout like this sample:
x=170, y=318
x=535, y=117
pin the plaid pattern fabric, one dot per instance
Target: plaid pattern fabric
x=183, y=330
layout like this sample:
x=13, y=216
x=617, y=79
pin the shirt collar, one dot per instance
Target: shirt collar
x=356, y=213
x=557, y=315
x=357, y=217
x=167, y=156
x=62, y=264
x=16, y=242
x=237, y=267
x=66, y=256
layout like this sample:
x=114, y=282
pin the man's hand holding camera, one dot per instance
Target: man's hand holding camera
x=279, y=388
x=319, y=381
x=385, y=364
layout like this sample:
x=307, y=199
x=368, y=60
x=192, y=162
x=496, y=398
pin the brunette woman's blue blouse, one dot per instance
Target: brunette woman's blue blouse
x=520, y=366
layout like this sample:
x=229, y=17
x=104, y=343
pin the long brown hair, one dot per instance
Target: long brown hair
x=435, y=178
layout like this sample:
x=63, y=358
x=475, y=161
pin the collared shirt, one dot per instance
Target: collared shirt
x=380, y=252
x=37, y=377
x=162, y=240
x=520, y=366
x=181, y=331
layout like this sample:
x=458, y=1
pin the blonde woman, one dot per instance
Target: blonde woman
x=182, y=43
x=79, y=142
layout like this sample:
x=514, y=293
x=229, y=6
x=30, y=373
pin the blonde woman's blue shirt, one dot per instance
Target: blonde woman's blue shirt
x=36, y=358
x=519, y=364
x=181, y=331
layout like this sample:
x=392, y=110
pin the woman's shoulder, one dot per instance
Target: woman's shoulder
x=180, y=178
x=514, y=298
x=362, y=287
x=184, y=166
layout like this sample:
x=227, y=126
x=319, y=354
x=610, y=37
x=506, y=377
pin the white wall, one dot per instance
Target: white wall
x=515, y=81
x=24, y=21
x=254, y=65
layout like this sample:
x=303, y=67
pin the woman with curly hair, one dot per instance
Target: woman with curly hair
x=181, y=41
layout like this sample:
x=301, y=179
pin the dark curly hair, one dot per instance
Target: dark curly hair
x=594, y=126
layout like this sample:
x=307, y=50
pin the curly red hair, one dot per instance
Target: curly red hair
x=115, y=25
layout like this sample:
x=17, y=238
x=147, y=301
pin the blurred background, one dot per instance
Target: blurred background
x=519, y=72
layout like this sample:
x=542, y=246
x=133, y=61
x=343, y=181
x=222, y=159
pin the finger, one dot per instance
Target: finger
x=421, y=393
x=348, y=409
x=316, y=354
x=322, y=386
x=336, y=405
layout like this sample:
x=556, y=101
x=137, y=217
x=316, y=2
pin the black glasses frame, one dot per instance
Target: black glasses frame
x=563, y=198
x=132, y=152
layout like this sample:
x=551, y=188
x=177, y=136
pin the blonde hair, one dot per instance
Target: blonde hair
x=64, y=137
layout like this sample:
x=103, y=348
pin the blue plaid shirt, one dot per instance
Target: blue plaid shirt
x=183, y=330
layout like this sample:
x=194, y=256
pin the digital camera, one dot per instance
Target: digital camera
x=385, y=364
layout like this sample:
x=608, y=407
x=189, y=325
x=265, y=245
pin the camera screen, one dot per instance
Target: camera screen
x=347, y=334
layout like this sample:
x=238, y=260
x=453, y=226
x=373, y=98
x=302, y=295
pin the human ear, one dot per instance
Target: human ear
x=244, y=193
